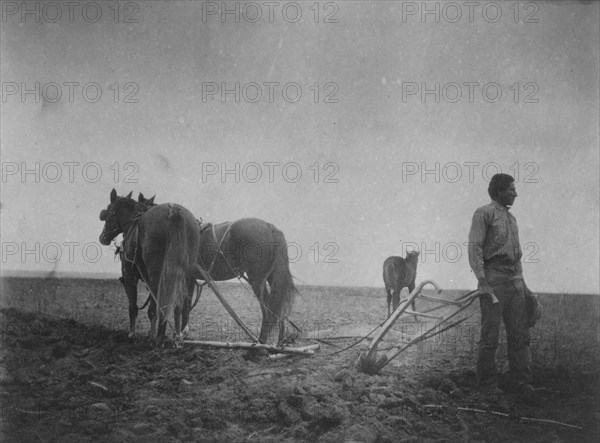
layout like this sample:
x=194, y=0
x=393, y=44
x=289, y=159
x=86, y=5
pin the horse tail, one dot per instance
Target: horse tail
x=280, y=298
x=172, y=285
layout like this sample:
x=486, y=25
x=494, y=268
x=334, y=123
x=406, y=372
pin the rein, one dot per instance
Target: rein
x=130, y=236
x=132, y=232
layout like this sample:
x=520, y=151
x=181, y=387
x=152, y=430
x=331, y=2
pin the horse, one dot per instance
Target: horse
x=166, y=240
x=129, y=271
x=256, y=251
x=130, y=276
x=399, y=273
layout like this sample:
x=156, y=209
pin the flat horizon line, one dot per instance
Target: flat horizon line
x=109, y=276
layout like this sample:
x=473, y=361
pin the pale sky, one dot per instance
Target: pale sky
x=384, y=164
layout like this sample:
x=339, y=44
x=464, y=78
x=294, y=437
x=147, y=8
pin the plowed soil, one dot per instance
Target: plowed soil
x=69, y=377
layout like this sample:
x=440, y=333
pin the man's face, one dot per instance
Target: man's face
x=507, y=196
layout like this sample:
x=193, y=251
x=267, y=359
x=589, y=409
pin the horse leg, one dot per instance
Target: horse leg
x=282, y=334
x=266, y=314
x=187, y=307
x=177, y=322
x=131, y=291
x=280, y=320
x=152, y=317
x=389, y=299
x=395, y=298
x=265, y=326
x=411, y=287
x=161, y=328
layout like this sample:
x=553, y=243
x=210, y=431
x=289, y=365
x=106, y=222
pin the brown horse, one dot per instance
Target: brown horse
x=166, y=243
x=248, y=248
x=399, y=273
x=256, y=251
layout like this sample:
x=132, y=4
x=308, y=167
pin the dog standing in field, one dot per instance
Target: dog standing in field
x=399, y=273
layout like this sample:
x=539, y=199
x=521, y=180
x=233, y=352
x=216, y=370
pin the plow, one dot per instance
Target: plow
x=427, y=307
x=370, y=364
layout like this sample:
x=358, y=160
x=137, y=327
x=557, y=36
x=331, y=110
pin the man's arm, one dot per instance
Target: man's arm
x=477, y=236
x=519, y=267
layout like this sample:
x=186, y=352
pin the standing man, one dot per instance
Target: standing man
x=495, y=258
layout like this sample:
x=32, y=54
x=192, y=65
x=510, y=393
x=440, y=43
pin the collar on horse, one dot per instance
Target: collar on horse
x=130, y=236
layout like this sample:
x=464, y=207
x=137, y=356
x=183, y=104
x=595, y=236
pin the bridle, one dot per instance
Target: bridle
x=108, y=215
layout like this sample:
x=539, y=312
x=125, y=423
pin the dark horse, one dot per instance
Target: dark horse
x=165, y=242
x=130, y=274
x=248, y=248
x=399, y=273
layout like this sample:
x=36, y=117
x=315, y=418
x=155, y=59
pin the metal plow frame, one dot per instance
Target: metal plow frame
x=369, y=364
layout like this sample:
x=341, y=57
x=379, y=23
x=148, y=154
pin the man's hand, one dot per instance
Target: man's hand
x=533, y=306
x=484, y=288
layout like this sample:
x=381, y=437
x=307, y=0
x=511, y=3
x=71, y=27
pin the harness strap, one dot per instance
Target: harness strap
x=219, y=250
x=131, y=236
x=238, y=275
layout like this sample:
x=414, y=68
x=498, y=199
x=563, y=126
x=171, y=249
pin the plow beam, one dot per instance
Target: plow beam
x=421, y=314
x=227, y=307
x=368, y=363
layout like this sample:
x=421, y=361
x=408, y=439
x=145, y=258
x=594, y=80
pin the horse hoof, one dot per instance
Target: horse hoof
x=185, y=332
x=177, y=341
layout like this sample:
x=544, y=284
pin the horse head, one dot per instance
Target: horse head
x=116, y=216
x=146, y=201
x=412, y=257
